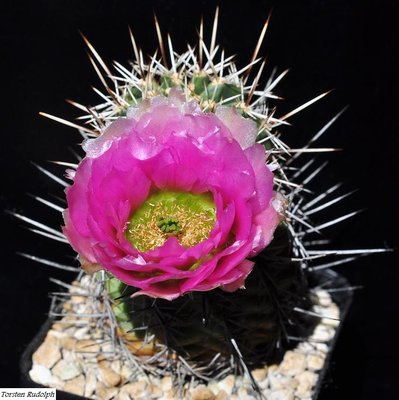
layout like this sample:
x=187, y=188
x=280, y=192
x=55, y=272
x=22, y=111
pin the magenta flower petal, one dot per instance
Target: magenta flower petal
x=166, y=145
x=263, y=177
x=240, y=274
x=266, y=222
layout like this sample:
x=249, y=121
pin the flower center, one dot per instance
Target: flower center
x=187, y=216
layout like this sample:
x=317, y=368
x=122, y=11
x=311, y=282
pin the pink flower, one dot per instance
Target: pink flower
x=171, y=199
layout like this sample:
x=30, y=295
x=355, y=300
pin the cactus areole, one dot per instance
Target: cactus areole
x=171, y=199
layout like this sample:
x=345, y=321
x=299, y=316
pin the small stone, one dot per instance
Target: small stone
x=107, y=376
x=323, y=298
x=68, y=355
x=68, y=343
x=56, y=383
x=76, y=386
x=122, y=395
x=314, y=362
x=272, y=368
x=222, y=395
x=66, y=370
x=81, y=333
x=280, y=382
x=322, y=333
x=57, y=334
x=116, y=366
x=67, y=307
x=293, y=363
x=166, y=383
x=243, y=394
x=126, y=372
x=307, y=380
x=227, y=384
x=40, y=374
x=67, y=322
x=57, y=326
x=213, y=386
x=105, y=393
x=136, y=389
x=201, y=392
x=101, y=358
x=305, y=347
x=259, y=374
x=155, y=390
x=170, y=394
x=239, y=381
x=78, y=299
x=48, y=353
x=107, y=348
x=91, y=383
x=333, y=311
x=70, y=331
x=87, y=346
x=283, y=394
x=320, y=354
x=98, y=334
x=321, y=347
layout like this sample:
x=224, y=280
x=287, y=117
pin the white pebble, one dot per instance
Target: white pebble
x=283, y=394
x=40, y=374
x=314, y=362
x=292, y=364
x=307, y=380
x=259, y=374
x=81, y=333
x=166, y=383
x=67, y=370
x=280, y=382
x=324, y=298
x=321, y=347
x=322, y=333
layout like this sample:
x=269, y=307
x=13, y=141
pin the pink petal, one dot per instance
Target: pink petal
x=243, y=129
x=241, y=271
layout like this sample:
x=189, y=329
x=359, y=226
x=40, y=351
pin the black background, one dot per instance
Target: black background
x=349, y=46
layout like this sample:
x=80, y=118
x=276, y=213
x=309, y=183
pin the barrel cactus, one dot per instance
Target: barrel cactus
x=191, y=214
x=210, y=271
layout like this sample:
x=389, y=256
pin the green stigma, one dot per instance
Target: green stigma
x=170, y=226
x=187, y=216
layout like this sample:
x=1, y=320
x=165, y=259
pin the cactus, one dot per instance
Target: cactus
x=252, y=326
x=215, y=333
